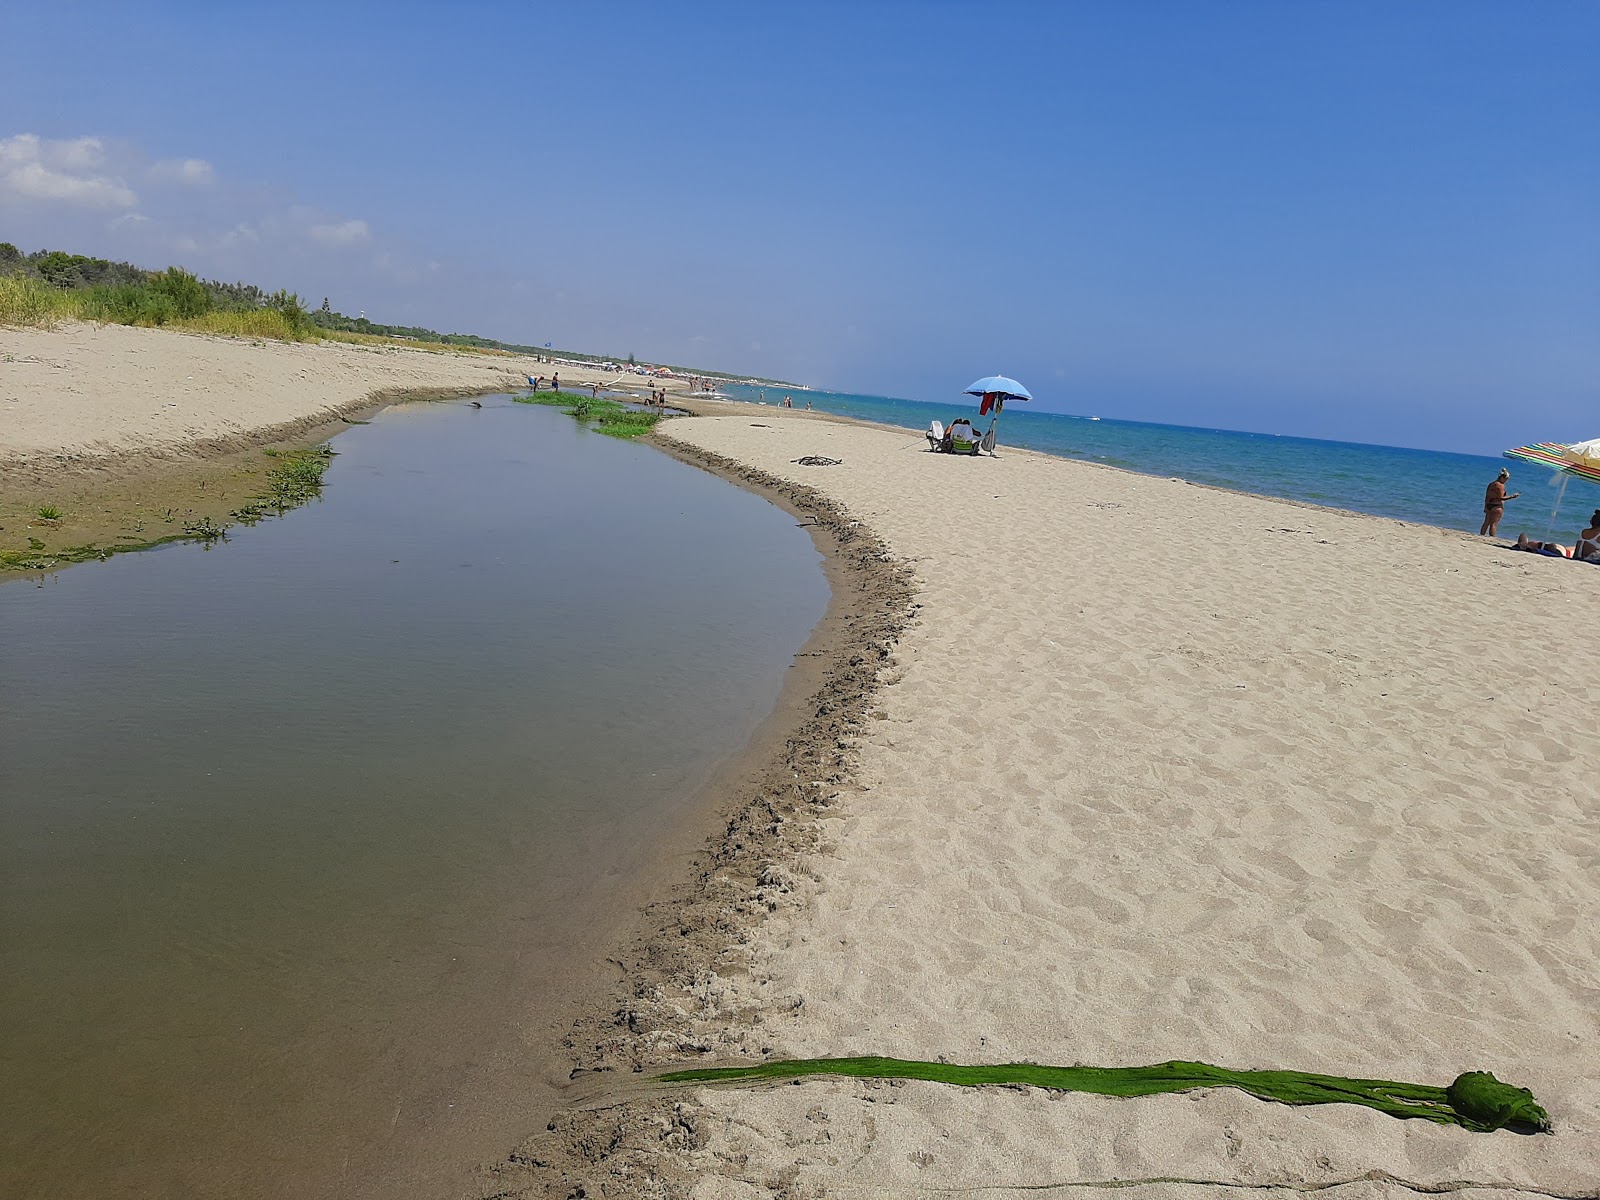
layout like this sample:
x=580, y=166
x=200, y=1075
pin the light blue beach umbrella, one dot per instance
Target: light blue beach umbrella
x=1002, y=389
x=1008, y=388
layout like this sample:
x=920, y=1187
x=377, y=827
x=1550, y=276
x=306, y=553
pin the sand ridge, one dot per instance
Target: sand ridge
x=1166, y=772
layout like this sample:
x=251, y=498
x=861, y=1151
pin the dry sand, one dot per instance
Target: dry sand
x=1162, y=772
x=84, y=391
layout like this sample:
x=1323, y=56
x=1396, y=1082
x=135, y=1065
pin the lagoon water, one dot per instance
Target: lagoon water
x=1423, y=486
x=307, y=834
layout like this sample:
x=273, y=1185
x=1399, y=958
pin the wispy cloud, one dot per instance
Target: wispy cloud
x=35, y=169
x=191, y=172
x=111, y=197
x=345, y=233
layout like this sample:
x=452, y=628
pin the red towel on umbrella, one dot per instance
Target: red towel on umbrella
x=989, y=401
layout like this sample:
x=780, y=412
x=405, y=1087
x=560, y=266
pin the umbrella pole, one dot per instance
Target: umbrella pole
x=1560, y=493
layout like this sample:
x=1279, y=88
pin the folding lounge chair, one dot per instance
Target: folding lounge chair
x=935, y=436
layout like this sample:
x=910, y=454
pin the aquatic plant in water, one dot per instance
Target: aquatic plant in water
x=1476, y=1100
x=607, y=416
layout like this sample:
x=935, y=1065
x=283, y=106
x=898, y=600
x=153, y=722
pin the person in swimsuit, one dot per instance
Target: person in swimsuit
x=1588, y=547
x=1494, y=504
x=1553, y=549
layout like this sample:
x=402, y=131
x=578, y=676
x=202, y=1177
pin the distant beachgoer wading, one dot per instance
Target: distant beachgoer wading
x=1494, y=504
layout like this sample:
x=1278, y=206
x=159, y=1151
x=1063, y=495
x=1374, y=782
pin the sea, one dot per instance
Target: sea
x=1426, y=487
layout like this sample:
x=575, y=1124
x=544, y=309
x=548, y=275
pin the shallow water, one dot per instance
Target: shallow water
x=308, y=834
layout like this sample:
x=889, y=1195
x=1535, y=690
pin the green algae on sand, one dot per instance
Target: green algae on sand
x=1476, y=1100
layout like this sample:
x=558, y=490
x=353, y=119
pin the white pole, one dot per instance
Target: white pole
x=1559, y=494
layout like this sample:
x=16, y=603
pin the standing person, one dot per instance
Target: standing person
x=1494, y=504
x=555, y=383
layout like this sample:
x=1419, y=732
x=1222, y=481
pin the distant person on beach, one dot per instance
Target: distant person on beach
x=555, y=383
x=787, y=402
x=808, y=406
x=1494, y=504
x=1552, y=549
x=1588, y=547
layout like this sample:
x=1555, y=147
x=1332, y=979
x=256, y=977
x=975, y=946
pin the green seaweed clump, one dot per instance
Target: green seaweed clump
x=1476, y=1101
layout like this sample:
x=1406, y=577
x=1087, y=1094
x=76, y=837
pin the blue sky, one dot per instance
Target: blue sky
x=1370, y=221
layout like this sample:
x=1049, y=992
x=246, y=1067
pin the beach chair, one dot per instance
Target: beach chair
x=935, y=436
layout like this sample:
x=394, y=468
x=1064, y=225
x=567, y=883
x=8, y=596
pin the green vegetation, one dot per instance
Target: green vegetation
x=48, y=286
x=296, y=480
x=607, y=416
x=1476, y=1100
x=172, y=298
x=48, y=512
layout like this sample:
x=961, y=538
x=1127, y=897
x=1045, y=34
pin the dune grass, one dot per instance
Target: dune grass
x=604, y=416
x=32, y=303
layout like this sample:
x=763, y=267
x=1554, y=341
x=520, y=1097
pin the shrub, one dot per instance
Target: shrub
x=187, y=294
x=126, y=304
x=293, y=310
x=28, y=301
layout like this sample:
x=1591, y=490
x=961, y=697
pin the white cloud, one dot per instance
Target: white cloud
x=343, y=234
x=193, y=172
x=35, y=168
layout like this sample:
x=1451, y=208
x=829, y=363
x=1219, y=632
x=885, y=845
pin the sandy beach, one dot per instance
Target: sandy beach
x=1155, y=772
x=1133, y=771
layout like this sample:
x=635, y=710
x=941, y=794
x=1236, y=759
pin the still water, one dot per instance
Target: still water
x=307, y=835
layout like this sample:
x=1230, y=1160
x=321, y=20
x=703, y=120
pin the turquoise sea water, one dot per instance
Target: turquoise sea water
x=1424, y=486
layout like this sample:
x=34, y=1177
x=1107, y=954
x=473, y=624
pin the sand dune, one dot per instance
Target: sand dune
x=95, y=390
x=1167, y=772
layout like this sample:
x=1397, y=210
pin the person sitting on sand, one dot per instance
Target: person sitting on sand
x=1494, y=504
x=1553, y=549
x=1588, y=547
x=960, y=426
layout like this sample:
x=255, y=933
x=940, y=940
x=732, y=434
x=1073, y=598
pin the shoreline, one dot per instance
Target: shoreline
x=766, y=997
x=763, y=810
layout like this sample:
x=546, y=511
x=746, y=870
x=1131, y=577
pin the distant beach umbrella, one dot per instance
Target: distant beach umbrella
x=1581, y=459
x=995, y=391
x=1010, y=389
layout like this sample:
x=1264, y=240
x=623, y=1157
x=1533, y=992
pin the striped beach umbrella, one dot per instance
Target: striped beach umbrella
x=1581, y=459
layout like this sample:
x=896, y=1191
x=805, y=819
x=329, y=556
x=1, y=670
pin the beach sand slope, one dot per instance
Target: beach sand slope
x=85, y=391
x=1168, y=772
